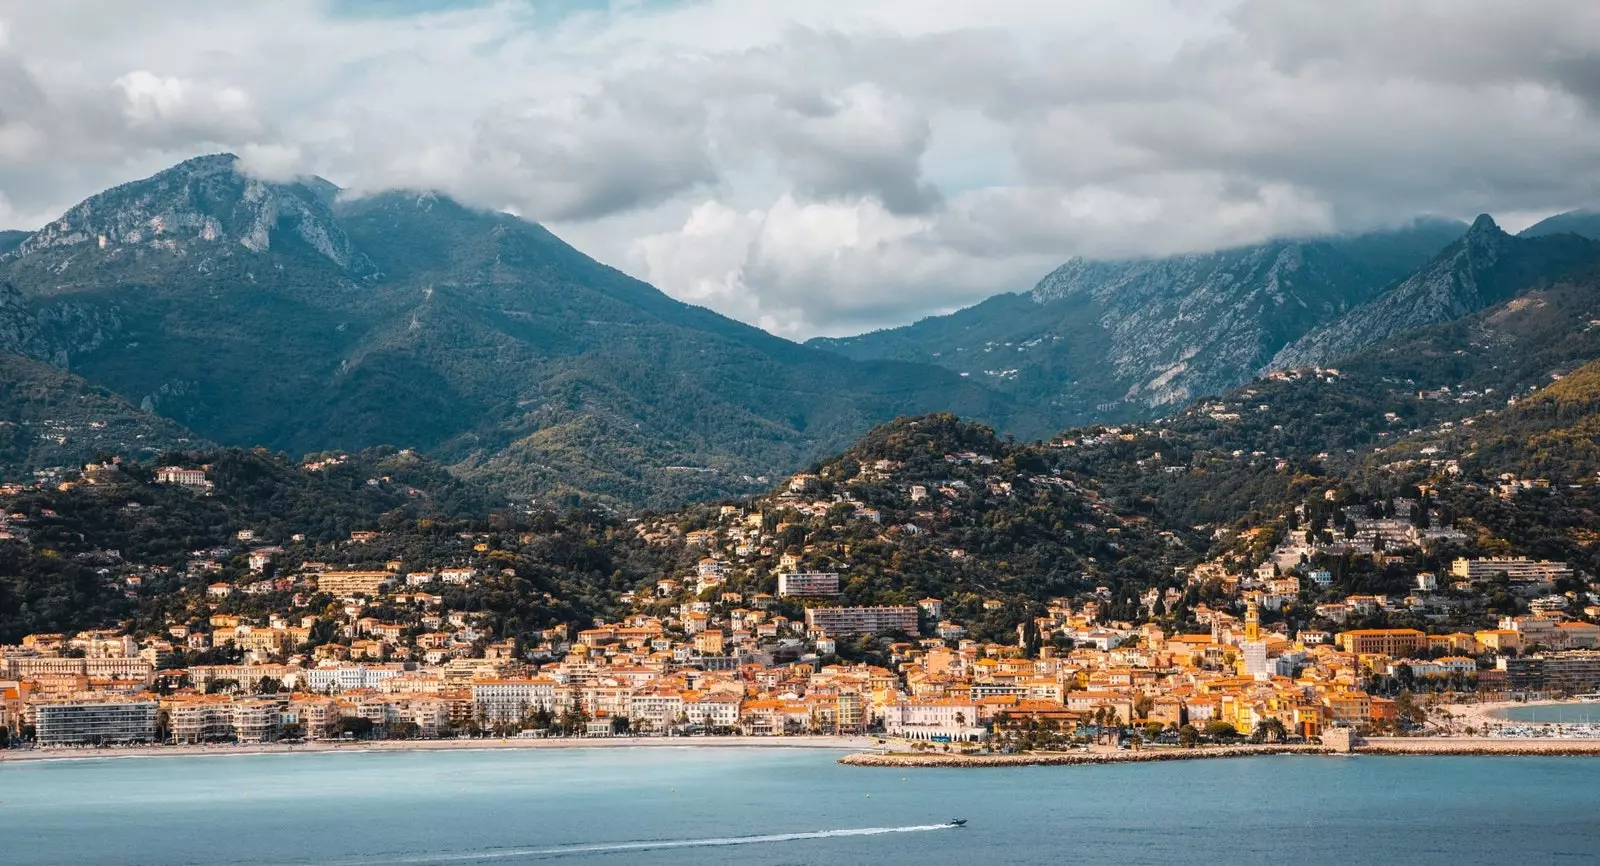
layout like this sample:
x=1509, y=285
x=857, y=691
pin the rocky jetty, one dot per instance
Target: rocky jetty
x=1028, y=759
x=1386, y=746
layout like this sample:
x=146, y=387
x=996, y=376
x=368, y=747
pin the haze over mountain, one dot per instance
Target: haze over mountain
x=275, y=314
x=1118, y=339
x=1582, y=222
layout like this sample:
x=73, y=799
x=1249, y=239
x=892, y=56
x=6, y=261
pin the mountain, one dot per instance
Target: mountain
x=1121, y=339
x=280, y=314
x=1485, y=266
x=1579, y=222
x=10, y=239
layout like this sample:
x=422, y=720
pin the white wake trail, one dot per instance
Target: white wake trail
x=648, y=845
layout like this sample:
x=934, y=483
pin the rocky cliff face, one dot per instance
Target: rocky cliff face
x=1191, y=325
x=1484, y=267
x=199, y=208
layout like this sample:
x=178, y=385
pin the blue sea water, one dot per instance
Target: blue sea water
x=1554, y=713
x=779, y=806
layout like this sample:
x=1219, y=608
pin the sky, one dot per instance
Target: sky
x=826, y=167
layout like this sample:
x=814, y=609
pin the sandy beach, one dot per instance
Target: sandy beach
x=1485, y=717
x=222, y=750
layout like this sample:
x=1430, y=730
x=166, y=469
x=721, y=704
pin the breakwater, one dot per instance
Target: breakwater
x=1478, y=746
x=1028, y=759
x=1419, y=746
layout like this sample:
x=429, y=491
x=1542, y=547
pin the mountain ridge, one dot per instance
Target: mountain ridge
x=1483, y=267
x=280, y=314
x=1135, y=337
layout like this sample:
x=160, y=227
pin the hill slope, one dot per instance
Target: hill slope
x=52, y=418
x=1129, y=338
x=276, y=314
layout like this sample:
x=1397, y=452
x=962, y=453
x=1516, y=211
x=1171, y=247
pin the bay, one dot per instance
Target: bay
x=790, y=806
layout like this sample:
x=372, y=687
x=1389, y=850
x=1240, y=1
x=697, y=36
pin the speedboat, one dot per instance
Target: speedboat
x=958, y=822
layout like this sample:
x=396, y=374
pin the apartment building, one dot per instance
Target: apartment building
x=847, y=621
x=808, y=583
x=67, y=723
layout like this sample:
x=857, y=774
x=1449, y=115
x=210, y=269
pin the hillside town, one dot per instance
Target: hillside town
x=756, y=635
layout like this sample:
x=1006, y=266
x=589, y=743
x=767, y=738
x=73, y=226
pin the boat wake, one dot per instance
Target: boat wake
x=643, y=845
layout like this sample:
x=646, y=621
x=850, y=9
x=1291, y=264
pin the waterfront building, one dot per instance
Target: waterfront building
x=1576, y=672
x=199, y=719
x=92, y=722
x=511, y=700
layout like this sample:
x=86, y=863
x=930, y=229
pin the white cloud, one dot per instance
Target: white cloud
x=816, y=166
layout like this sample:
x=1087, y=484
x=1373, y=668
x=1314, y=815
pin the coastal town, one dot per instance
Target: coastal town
x=755, y=638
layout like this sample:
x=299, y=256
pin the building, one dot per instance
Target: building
x=347, y=677
x=1253, y=648
x=256, y=720
x=808, y=583
x=1394, y=642
x=70, y=723
x=940, y=720
x=182, y=477
x=512, y=700
x=348, y=583
x=1574, y=673
x=1519, y=569
x=136, y=669
x=846, y=621
x=200, y=719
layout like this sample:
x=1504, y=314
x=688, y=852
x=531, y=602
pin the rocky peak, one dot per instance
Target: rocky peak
x=203, y=206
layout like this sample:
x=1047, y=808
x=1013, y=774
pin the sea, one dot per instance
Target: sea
x=667, y=806
x=1566, y=713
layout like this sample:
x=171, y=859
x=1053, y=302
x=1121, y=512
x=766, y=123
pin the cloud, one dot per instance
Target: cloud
x=821, y=167
x=802, y=268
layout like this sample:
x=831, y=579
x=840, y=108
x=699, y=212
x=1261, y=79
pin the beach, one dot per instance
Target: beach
x=1484, y=717
x=845, y=743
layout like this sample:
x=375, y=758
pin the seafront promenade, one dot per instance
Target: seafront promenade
x=325, y=747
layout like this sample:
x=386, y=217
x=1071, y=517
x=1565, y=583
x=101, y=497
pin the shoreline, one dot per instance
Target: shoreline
x=94, y=753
